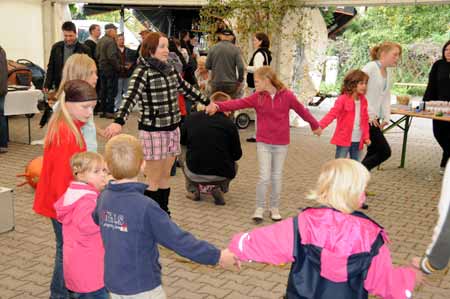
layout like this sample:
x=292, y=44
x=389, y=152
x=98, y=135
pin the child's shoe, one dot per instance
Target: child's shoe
x=275, y=214
x=258, y=215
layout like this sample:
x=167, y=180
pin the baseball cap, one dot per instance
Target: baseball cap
x=110, y=26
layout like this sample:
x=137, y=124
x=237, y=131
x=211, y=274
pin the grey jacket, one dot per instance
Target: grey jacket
x=437, y=255
x=107, y=55
x=224, y=60
x=3, y=73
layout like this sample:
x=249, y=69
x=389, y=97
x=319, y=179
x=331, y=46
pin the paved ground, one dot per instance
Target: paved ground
x=405, y=203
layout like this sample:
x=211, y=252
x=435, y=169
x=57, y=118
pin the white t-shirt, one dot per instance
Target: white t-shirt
x=356, y=133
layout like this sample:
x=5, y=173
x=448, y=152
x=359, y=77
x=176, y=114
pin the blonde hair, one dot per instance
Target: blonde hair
x=340, y=185
x=77, y=66
x=85, y=161
x=266, y=72
x=375, y=52
x=201, y=59
x=124, y=156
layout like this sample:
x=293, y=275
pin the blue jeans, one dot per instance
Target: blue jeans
x=3, y=124
x=99, y=294
x=121, y=90
x=57, y=287
x=353, y=149
x=271, y=161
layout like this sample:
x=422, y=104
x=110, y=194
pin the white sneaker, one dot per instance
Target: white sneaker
x=442, y=170
x=258, y=215
x=275, y=214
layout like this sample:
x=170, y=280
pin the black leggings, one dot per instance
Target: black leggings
x=378, y=150
x=441, y=131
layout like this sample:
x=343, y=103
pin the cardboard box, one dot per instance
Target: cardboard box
x=7, y=221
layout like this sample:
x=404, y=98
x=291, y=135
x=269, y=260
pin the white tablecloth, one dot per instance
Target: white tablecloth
x=22, y=102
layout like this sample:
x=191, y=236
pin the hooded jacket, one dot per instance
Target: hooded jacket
x=438, y=88
x=83, y=251
x=332, y=253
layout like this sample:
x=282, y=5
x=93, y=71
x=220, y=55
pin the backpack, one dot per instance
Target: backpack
x=37, y=73
x=18, y=74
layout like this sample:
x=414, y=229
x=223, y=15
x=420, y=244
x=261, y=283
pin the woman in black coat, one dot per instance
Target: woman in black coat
x=438, y=89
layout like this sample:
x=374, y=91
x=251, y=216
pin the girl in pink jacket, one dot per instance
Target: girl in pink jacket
x=272, y=102
x=335, y=251
x=83, y=251
x=350, y=110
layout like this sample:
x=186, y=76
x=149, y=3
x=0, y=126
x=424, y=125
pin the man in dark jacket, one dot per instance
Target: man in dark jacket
x=213, y=147
x=94, y=35
x=59, y=54
x=109, y=67
x=3, y=92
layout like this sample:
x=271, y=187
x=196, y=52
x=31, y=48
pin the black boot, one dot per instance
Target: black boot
x=155, y=195
x=165, y=200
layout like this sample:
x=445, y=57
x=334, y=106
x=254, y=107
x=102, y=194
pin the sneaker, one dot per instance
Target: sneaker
x=442, y=170
x=3, y=150
x=251, y=139
x=218, y=197
x=258, y=215
x=195, y=196
x=275, y=214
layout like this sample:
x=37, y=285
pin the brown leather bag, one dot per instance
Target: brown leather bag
x=18, y=74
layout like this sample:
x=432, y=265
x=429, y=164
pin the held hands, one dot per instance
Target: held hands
x=228, y=259
x=317, y=131
x=112, y=130
x=211, y=109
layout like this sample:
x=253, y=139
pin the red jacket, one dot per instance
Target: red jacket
x=344, y=112
x=272, y=114
x=56, y=173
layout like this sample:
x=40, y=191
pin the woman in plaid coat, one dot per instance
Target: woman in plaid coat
x=154, y=86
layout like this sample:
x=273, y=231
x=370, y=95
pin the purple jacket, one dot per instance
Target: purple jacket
x=339, y=235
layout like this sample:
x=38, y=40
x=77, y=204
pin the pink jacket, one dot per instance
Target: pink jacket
x=344, y=112
x=340, y=235
x=272, y=114
x=83, y=251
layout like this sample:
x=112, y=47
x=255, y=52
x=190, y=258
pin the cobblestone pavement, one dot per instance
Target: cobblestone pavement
x=405, y=203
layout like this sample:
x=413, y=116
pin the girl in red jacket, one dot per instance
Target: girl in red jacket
x=350, y=110
x=63, y=140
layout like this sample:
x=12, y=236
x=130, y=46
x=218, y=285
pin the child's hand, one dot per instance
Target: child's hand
x=367, y=142
x=112, y=130
x=211, y=109
x=228, y=259
x=317, y=131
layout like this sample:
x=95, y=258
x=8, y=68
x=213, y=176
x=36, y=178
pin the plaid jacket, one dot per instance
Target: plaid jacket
x=156, y=94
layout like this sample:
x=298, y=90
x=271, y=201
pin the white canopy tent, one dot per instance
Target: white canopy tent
x=30, y=27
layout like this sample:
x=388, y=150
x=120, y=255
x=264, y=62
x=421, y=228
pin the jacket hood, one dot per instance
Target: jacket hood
x=71, y=199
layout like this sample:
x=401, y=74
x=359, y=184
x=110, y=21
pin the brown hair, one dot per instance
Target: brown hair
x=376, y=51
x=268, y=73
x=150, y=43
x=219, y=96
x=351, y=80
x=124, y=156
x=265, y=42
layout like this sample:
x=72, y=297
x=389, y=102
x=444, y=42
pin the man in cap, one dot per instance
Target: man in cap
x=109, y=67
x=226, y=65
x=59, y=54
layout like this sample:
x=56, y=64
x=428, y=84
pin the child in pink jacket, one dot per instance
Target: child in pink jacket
x=350, y=110
x=335, y=251
x=83, y=251
x=272, y=102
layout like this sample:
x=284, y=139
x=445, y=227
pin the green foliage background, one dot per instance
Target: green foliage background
x=421, y=30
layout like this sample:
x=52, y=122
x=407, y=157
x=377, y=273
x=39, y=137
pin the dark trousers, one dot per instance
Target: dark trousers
x=379, y=149
x=4, y=132
x=232, y=89
x=109, y=82
x=57, y=286
x=441, y=131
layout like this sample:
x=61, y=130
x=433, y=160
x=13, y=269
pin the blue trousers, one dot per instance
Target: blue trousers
x=353, y=150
